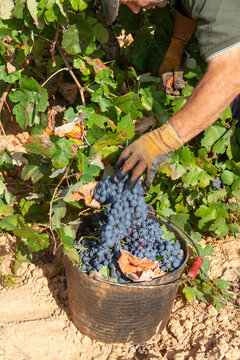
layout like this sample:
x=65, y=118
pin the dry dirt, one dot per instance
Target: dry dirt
x=35, y=322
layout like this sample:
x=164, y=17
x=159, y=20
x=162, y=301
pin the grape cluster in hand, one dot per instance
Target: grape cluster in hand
x=125, y=225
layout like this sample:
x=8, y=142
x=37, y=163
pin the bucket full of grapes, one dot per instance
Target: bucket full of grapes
x=130, y=266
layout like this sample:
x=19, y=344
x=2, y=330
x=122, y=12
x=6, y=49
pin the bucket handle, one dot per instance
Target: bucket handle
x=191, y=275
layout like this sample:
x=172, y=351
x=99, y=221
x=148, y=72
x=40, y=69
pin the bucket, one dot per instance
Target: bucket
x=122, y=313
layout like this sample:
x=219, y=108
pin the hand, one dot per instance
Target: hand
x=147, y=153
x=171, y=70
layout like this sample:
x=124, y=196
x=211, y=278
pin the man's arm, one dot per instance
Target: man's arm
x=214, y=93
x=219, y=86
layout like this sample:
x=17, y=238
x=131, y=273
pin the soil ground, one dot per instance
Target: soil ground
x=35, y=323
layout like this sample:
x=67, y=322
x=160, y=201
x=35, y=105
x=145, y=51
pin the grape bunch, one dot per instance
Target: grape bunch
x=124, y=224
x=124, y=207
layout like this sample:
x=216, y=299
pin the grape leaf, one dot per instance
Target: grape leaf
x=59, y=211
x=79, y=4
x=130, y=104
x=18, y=9
x=227, y=177
x=40, y=145
x=71, y=41
x=211, y=135
x=6, y=8
x=34, y=172
x=33, y=9
x=101, y=33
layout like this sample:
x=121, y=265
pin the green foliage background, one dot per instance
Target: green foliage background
x=39, y=40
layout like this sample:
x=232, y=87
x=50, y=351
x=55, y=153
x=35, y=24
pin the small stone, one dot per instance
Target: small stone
x=31, y=267
x=86, y=341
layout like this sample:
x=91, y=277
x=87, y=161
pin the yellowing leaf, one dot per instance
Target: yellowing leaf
x=71, y=130
x=77, y=134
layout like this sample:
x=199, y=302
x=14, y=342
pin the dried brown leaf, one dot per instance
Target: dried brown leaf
x=86, y=193
x=137, y=269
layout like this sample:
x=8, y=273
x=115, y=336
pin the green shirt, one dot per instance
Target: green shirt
x=218, y=24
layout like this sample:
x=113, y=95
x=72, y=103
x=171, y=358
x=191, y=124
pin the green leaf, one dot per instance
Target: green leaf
x=146, y=99
x=79, y=38
x=9, y=222
x=178, y=104
x=34, y=172
x=6, y=210
x=174, y=170
x=206, y=251
x=31, y=99
x=22, y=256
x=59, y=211
x=6, y=8
x=99, y=97
x=33, y=9
x=105, y=271
x=95, y=133
x=67, y=241
x=227, y=177
x=105, y=76
x=101, y=33
x=227, y=114
x=63, y=153
x=9, y=78
x=36, y=241
x=125, y=128
x=211, y=135
x=147, y=77
x=79, y=5
x=90, y=173
x=71, y=41
x=222, y=284
x=130, y=104
x=72, y=254
x=169, y=235
x=189, y=293
x=18, y=9
x=40, y=145
x=217, y=195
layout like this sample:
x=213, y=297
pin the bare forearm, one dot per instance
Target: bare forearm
x=219, y=86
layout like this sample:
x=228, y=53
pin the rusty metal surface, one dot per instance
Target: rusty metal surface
x=121, y=313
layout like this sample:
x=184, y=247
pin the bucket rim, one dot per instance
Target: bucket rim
x=160, y=281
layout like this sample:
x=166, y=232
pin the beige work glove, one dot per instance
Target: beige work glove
x=147, y=154
x=172, y=68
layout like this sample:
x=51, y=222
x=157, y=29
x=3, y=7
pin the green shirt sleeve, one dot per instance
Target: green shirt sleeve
x=218, y=24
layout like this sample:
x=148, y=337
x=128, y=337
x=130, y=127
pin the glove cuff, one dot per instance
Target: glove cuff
x=183, y=27
x=165, y=137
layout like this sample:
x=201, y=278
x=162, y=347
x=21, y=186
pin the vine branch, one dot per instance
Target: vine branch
x=51, y=205
x=80, y=88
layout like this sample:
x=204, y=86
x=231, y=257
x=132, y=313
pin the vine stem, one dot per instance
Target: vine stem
x=51, y=206
x=80, y=88
x=51, y=76
x=53, y=45
x=2, y=101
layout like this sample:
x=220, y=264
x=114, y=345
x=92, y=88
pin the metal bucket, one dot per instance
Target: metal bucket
x=122, y=313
